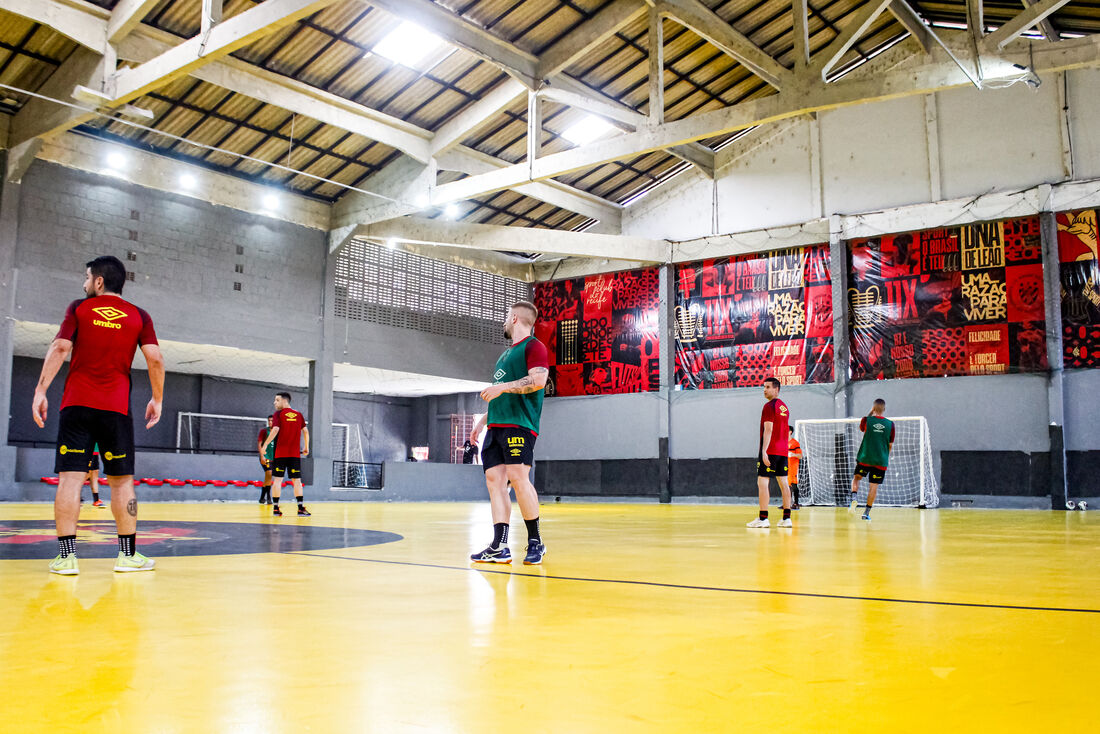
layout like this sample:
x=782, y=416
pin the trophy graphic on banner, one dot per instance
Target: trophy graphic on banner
x=688, y=325
x=865, y=306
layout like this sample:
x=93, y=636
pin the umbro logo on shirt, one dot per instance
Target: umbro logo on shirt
x=110, y=313
x=499, y=374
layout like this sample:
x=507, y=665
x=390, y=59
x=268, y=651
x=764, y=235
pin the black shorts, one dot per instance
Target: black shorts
x=508, y=446
x=873, y=473
x=82, y=428
x=777, y=469
x=95, y=463
x=266, y=467
x=288, y=465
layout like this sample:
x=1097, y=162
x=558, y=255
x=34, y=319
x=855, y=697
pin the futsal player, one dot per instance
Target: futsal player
x=515, y=405
x=101, y=332
x=93, y=477
x=794, y=457
x=291, y=438
x=772, y=457
x=874, y=453
x=266, y=457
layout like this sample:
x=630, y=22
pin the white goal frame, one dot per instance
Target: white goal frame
x=182, y=416
x=821, y=483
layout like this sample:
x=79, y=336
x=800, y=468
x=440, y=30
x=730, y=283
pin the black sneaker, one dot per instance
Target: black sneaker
x=261, y=498
x=303, y=512
x=493, y=555
x=536, y=549
x=277, y=512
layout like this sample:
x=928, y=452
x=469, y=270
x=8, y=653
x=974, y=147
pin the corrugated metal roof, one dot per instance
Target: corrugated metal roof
x=331, y=51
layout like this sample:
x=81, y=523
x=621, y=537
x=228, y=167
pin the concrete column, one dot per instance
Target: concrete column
x=666, y=326
x=9, y=228
x=320, y=386
x=838, y=270
x=1048, y=227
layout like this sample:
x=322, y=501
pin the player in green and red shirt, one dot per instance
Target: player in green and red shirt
x=771, y=460
x=515, y=405
x=102, y=332
x=874, y=453
x=291, y=438
x=266, y=457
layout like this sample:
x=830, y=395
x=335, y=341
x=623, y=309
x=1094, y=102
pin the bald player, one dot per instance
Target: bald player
x=515, y=405
x=874, y=453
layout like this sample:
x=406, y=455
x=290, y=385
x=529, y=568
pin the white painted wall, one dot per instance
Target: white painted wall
x=885, y=155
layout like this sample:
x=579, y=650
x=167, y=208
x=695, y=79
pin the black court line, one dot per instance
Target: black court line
x=690, y=587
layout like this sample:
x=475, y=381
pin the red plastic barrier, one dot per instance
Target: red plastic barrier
x=256, y=483
x=238, y=483
x=53, y=481
x=196, y=482
x=154, y=482
x=219, y=483
x=103, y=481
x=175, y=482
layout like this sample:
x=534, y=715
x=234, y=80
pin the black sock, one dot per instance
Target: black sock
x=66, y=545
x=299, y=499
x=794, y=491
x=500, y=534
x=533, y=530
x=763, y=514
x=127, y=544
x=786, y=513
x=275, y=501
x=95, y=496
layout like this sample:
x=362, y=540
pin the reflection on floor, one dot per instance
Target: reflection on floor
x=644, y=618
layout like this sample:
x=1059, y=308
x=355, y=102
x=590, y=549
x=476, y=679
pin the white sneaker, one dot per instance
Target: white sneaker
x=785, y=523
x=852, y=506
x=758, y=523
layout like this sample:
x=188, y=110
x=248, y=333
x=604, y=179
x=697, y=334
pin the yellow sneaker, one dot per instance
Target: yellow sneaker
x=65, y=565
x=136, y=562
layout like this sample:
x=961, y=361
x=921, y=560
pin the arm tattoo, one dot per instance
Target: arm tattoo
x=131, y=507
x=527, y=384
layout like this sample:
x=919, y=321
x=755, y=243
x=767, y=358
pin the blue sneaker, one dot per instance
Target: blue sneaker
x=866, y=517
x=536, y=549
x=493, y=555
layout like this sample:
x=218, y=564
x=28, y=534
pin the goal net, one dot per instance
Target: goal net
x=829, y=449
x=221, y=434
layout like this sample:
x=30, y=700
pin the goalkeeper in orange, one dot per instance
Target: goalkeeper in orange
x=794, y=456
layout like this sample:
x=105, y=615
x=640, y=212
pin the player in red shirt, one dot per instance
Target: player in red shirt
x=291, y=436
x=772, y=458
x=102, y=332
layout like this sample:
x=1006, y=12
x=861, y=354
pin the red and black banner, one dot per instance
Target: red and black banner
x=601, y=333
x=953, y=301
x=743, y=319
x=1079, y=269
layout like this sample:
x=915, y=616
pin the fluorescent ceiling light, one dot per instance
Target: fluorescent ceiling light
x=410, y=45
x=187, y=181
x=451, y=211
x=586, y=130
x=271, y=201
x=117, y=161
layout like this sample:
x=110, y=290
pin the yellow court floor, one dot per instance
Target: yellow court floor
x=644, y=618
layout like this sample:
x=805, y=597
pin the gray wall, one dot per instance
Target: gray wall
x=385, y=424
x=708, y=424
x=186, y=254
x=407, y=350
x=1082, y=401
x=600, y=427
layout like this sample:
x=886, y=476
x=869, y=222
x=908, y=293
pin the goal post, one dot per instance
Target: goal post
x=829, y=448
x=213, y=433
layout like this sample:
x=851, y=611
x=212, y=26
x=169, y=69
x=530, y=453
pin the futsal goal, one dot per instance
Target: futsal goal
x=829, y=448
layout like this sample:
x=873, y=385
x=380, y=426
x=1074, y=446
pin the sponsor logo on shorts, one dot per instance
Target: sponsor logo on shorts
x=111, y=457
x=66, y=450
x=110, y=313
